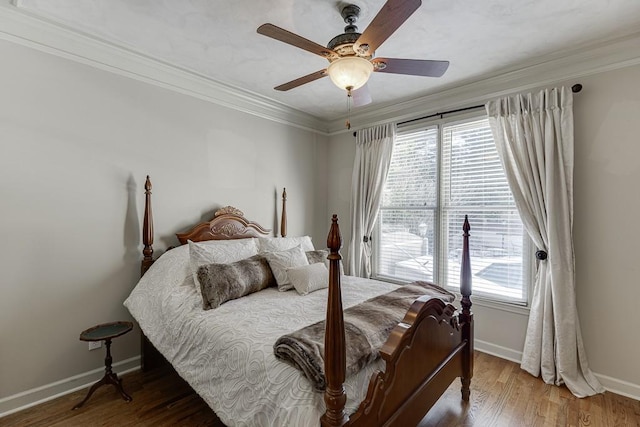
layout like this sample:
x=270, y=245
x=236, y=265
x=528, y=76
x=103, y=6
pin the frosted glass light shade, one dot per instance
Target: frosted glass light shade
x=350, y=72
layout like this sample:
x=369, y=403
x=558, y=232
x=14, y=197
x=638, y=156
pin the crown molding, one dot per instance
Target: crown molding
x=28, y=29
x=25, y=28
x=560, y=67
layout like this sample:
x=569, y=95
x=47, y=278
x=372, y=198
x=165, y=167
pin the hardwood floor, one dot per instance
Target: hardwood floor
x=159, y=399
x=501, y=395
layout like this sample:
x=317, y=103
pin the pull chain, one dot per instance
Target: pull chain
x=349, y=95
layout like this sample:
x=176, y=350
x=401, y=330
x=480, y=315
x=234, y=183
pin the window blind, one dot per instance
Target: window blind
x=406, y=221
x=437, y=175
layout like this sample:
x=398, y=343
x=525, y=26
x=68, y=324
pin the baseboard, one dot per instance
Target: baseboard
x=620, y=387
x=613, y=385
x=498, y=351
x=35, y=396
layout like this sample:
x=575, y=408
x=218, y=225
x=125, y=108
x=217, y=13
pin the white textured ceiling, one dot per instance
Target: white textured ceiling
x=218, y=39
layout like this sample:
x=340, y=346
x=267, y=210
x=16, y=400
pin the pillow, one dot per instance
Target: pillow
x=321, y=255
x=309, y=278
x=280, y=261
x=224, y=282
x=277, y=244
x=219, y=252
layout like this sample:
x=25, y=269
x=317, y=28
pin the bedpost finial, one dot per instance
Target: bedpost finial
x=465, y=268
x=147, y=228
x=335, y=396
x=334, y=240
x=283, y=220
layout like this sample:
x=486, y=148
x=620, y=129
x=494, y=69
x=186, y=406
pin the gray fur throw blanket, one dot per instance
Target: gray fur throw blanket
x=367, y=327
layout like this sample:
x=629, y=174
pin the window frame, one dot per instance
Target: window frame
x=529, y=267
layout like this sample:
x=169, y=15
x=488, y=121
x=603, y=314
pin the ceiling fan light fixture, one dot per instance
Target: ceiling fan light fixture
x=350, y=72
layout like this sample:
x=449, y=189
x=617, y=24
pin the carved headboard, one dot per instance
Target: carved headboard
x=227, y=223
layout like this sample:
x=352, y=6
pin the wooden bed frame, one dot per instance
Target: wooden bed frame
x=424, y=354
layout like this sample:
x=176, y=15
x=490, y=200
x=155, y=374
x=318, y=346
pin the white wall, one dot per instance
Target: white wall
x=76, y=143
x=606, y=234
x=606, y=231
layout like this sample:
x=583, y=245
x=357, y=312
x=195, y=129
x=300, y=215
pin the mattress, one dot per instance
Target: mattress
x=226, y=354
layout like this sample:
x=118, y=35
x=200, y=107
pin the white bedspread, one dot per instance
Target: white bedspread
x=226, y=354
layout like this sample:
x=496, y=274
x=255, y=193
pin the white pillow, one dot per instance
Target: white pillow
x=276, y=244
x=280, y=261
x=219, y=252
x=171, y=268
x=309, y=278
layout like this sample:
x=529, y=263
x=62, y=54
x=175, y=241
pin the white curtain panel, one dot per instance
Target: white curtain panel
x=534, y=138
x=374, y=147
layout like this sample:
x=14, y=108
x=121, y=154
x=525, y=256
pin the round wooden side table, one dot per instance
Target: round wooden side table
x=106, y=332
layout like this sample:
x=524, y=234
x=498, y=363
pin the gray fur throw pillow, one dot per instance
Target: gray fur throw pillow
x=223, y=282
x=320, y=255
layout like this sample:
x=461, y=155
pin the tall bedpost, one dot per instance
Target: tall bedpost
x=466, y=317
x=335, y=397
x=147, y=229
x=283, y=220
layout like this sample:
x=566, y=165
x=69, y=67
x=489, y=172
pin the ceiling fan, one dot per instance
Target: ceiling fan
x=351, y=55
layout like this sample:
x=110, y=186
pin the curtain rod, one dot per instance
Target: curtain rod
x=575, y=89
x=441, y=114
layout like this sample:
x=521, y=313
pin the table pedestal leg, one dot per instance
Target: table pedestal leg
x=110, y=377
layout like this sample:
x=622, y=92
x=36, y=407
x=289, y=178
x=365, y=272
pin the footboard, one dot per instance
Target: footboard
x=424, y=354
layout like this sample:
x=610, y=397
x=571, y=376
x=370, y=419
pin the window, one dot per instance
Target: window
x=438, y=174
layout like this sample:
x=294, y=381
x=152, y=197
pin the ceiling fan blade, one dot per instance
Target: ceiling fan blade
x=288, y=37
x=389, y=18
x=412, y=67
x=361, y=96
x=302, y=80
